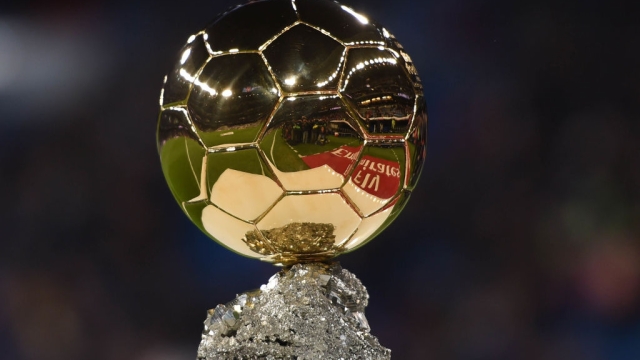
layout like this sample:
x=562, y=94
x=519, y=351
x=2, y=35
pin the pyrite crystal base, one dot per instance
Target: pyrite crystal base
x=307, y=311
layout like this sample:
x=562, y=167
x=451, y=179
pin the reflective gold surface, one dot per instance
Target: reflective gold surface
x=293, y=139
x=379, y=90
x=178, y=82
x=312, y=142
x=231, y=99
x=304, y=59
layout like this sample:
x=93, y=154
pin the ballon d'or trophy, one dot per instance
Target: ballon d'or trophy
x=292, y=131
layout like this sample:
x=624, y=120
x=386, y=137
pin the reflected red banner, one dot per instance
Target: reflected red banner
x=378, y=177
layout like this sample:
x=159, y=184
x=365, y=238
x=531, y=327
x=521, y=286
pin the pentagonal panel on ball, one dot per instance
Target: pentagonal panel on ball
x=190, y=59
x=377, y=87
x=304, y=59
x=341, y=21
x=249, y=26
x=307, y=224
x=378, y=177
x=231, y=99
x=312, y=142
x=241, y=184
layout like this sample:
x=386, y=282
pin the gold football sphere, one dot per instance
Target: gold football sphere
x=292, y=131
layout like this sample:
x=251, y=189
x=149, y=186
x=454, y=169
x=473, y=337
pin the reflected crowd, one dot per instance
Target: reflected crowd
x=306, y=131
x=387, y=119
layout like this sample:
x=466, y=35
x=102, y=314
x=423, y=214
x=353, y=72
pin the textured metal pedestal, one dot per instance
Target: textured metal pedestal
x=309, y=311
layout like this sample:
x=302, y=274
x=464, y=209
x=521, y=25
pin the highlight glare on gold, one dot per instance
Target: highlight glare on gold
x=361, y=18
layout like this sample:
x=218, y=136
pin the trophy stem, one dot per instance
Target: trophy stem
x=306, y=311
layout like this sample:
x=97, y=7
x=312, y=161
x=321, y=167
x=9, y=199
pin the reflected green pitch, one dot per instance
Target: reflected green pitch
x=292, y=130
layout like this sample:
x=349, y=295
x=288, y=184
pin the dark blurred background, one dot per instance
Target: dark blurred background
x=522, y=240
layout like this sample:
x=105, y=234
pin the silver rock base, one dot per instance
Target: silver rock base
x=308, y=311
